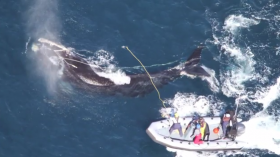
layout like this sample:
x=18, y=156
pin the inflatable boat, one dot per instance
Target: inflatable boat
x=159, y=133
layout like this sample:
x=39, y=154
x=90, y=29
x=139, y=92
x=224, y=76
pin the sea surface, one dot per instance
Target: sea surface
x=44, y=116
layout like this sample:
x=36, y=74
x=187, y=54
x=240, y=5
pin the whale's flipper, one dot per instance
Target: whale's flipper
x=191, y=65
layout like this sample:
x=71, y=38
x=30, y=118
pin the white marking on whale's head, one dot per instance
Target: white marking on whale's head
x=35, y=48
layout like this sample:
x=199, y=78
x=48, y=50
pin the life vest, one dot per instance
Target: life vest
x=197, y=139
x=202, y=129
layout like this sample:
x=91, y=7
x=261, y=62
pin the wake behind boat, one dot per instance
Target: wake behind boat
x=211, y=140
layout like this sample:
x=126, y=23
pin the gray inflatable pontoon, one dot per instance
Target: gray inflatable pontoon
x=159, y=132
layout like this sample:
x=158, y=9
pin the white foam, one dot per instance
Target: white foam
x=181, y=153
x=234, y=22
x=262, y=129
x=278, y=49
x=105, y=59
x=188, y=104
x=268, y=94
x=262, y=125
x=118, y=77
x=262, y=132
x=26, y=45
x=241, y=68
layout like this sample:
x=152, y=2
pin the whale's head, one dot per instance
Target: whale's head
x=54, y=52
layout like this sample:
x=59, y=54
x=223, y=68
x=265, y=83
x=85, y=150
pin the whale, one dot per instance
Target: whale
x=77, y=70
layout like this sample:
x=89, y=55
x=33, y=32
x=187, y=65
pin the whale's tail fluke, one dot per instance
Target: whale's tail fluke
x=192, y=66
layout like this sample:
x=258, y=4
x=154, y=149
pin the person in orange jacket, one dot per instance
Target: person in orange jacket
x=226, y=119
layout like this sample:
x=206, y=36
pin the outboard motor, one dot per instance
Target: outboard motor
x=236, y=130
x=240, y=129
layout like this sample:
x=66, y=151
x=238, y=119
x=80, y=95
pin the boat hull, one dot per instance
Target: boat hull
x=159, y=133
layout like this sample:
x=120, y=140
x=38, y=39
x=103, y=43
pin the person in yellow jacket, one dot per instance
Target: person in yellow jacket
x=204, y=129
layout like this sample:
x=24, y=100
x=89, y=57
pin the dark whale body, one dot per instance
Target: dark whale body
x=79, y=71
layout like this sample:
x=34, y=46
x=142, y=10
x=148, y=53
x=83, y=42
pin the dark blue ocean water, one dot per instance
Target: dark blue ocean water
x=35, y=122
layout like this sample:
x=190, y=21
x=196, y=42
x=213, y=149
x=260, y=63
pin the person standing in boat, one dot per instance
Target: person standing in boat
x=226, y=119
x=204, y=129
x=194, y=121
x=175, y=121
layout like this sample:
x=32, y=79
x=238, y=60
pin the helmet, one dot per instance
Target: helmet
x=198, y=126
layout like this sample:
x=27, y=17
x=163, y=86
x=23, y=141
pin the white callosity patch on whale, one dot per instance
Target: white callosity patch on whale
x=34, y=48
x=55, y=60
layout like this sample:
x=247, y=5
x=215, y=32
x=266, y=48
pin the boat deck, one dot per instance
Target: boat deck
x=187, y=133
x=159, y=132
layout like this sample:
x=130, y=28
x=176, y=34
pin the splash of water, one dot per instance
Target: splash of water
x=240, y=69
x=42, y=22
x=233, y=77
x=189, y=104
x=105, y=59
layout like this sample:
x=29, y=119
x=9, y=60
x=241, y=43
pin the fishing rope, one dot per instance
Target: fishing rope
x=70, y=64
x=235, y=114
x=148, y=75
x=55, y=51
x=237, y=105
x=76, y=61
